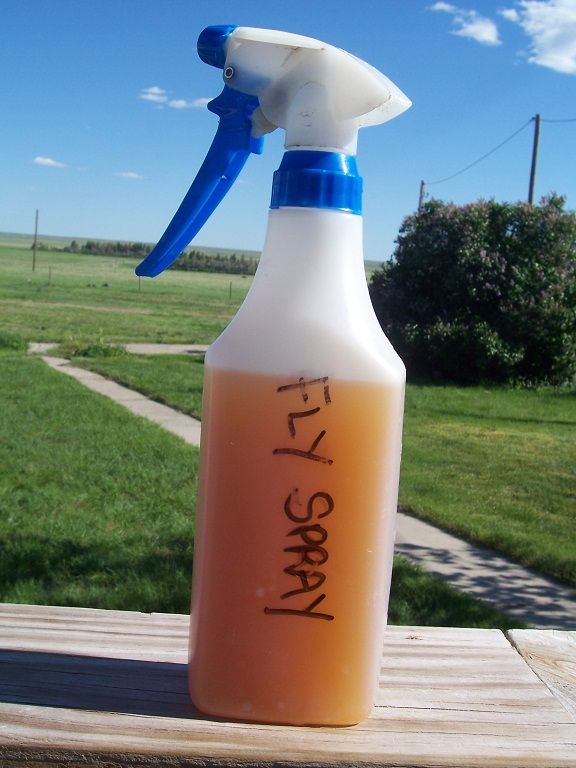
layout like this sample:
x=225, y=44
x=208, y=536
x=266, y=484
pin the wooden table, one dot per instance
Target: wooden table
x=81, y=687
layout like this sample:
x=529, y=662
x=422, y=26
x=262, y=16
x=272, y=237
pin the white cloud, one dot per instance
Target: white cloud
x=469, y=23
x=478, y=28
x=511, y=14
x=160, y=96
x=187, y=103
x=129, y=175
x=443, y=7
x=179, y=104
x=48, y=162
x=551, y=27
x=154, y=93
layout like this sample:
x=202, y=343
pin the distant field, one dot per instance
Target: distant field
x=83, y=297
x=17, y=240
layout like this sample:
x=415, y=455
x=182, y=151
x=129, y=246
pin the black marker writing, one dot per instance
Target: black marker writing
x=310, y=548
x=310, y=551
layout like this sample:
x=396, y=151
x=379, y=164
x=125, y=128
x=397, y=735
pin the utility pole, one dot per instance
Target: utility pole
x=422, y=194
x=534, y=158
x=35, y=245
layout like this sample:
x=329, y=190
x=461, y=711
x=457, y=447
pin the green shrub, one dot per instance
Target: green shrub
x=12, y=341
x=98, y=348
x=483, y=292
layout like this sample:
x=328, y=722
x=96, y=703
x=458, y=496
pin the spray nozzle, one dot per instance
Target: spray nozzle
x=319, y=94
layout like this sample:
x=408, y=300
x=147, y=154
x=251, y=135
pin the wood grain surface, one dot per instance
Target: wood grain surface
x=85, y=687
x=552, y=655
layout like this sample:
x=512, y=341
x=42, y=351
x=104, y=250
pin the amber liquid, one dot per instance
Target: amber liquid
x=293, y=547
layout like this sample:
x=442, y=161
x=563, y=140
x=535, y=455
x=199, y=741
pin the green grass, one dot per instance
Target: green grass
x=97, y=506
x=25, y=241
x=101, y=514
x=11, y=341
x=80, y=298
x=495, y=466
x=73, y=297
x=175, y=380
x=418, y=599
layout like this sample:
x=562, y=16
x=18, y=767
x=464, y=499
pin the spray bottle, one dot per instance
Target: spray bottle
x=303, y=401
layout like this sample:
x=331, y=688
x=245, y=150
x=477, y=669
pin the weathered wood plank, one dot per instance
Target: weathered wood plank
x=117, y=634
x=552, y=655
x=81, y=686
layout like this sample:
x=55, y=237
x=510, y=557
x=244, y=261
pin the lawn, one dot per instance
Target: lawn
x=102, y=514
x=97, y=507
x=174, y=380
x=81, y=297
x=496, y=466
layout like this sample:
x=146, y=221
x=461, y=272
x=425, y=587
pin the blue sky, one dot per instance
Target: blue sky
x=103, y=122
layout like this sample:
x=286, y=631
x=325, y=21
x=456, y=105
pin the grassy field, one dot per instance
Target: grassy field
x=75, y=297
x=498, y=467
x=101, y=514
x=495, y=466
x=97, y=506
x=174, y=380
x=25, y=241
x=81, y=297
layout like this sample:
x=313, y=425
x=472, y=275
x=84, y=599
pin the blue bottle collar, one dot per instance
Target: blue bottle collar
x=317, y=179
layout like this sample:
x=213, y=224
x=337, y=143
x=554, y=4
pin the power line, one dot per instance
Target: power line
x=479, y=160
x=537, y=120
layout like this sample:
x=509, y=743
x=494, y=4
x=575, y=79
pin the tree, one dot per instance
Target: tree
x=483, y=292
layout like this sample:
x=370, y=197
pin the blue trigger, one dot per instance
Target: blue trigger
x=226, y=157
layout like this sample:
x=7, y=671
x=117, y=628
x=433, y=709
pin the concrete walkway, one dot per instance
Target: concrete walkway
x=178, y=423
x=139, y=348
x=520, y=593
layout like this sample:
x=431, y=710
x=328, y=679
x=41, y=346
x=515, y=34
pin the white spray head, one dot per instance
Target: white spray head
x=319, y=94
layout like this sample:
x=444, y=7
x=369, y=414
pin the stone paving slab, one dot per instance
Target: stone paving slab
x=165, y=349
x=136, y=348
x=520, y=593
x=41, y=346
x=178, y=423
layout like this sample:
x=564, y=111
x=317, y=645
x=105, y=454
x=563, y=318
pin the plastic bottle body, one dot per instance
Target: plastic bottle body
x=299, y=476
